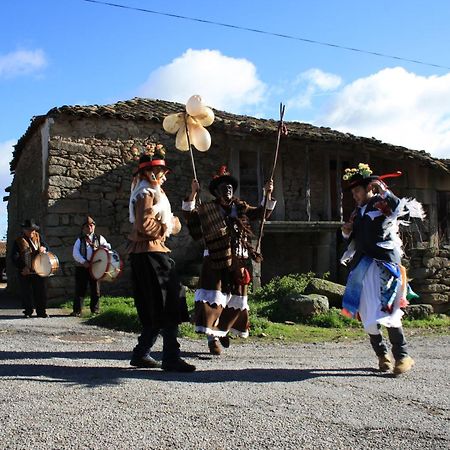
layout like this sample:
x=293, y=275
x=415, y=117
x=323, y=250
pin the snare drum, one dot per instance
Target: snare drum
x=45, y=264
x=105, y=265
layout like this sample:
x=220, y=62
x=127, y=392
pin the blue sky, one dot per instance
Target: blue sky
x=56, y=52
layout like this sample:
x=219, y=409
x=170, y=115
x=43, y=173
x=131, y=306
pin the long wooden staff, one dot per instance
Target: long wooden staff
x=190, y=147
x=192, y=156
x=281, y=130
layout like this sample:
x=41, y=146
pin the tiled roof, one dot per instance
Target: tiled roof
x=156, y=110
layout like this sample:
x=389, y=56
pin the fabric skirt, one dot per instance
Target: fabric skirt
x=159, y=297
x=370, y=307
x=221, y=305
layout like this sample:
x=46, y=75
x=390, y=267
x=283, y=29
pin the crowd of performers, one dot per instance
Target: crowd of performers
x=376, y=290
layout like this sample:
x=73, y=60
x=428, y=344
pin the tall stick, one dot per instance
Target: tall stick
x=190, y=147
x=192, y=156
x=281, y=129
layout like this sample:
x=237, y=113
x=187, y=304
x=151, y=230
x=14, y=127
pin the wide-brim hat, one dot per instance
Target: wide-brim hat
x=30, y=224
x=227, y=179
x=147, y=162
x=359, y=180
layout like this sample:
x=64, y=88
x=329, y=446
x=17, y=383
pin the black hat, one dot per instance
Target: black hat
x=153, y=156
x=30, y=224
x=359, y=176
x=222, y=176
x=359, y=180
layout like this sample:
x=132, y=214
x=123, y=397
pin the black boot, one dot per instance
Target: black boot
x=171, y=352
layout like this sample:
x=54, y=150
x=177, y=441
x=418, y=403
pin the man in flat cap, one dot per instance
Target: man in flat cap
x=83, y=249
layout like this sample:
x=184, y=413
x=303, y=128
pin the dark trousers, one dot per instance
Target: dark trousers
x=397, y=340
x=171, y=347
x=34, y=293
x=82, y=279
x=159, y=302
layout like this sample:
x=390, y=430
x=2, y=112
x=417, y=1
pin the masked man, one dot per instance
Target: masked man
x=158, y=294
x=377, y=286
x=224, y=224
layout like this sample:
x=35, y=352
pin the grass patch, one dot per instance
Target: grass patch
x=267, y=316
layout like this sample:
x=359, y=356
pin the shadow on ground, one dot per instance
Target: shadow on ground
x=89, y=376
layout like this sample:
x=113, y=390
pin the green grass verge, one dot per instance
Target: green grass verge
x=119, y=313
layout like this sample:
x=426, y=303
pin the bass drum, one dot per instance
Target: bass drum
x=105, y=265
x=45, y=264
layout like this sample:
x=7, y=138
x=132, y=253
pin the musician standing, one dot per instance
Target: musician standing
x=84, y=247
x=33, y=287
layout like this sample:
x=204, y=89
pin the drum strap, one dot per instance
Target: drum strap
x=85, y=241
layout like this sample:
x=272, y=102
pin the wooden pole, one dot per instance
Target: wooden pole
x=281, y=129
x=192, y=155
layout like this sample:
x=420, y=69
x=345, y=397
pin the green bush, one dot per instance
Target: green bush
x=333, y=318
x=265, y=302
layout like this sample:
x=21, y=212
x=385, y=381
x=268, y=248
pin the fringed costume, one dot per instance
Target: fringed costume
x=221, y=305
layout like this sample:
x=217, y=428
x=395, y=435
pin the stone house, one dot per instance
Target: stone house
x=76, y=160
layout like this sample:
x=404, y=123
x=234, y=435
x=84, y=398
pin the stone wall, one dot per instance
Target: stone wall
x=27, y=199
x=89, y=169
x=430, y=274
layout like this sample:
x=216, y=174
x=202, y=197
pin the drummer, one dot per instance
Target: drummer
x=84, y=247
x=33, y=287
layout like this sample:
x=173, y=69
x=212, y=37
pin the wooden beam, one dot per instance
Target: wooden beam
x=308, y=183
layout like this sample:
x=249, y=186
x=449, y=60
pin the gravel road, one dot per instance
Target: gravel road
x=66, y=385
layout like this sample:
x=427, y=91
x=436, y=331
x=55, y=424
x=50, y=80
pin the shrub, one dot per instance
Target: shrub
x=265, y=302
x=333, y=319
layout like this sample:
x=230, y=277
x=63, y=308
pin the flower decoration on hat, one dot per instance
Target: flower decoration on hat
x=189, y=127
x=363, y=170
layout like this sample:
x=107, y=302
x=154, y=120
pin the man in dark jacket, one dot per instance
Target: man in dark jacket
x=33, y=287
x=377, y=286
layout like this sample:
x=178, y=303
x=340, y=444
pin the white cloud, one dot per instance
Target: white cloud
x=6, y=149
x=22, y=62
x=309, y=84
x=223, y=82
x=398, y=107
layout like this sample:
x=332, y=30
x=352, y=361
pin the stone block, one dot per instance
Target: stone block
x=333, y=291
x=436, y=288
x=52, y=220
x=442, y=308
x=420, y=311
x=64, y=182
x=421, y=272
x=53, y=241
x=433, y=298
x=305, y=306
x=63, y=231
x=70, y=206
x=434, y=262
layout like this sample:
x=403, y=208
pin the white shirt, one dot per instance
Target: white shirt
x=78, y=257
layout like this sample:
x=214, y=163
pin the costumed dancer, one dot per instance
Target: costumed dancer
x=158, y=294
x=377, y=287
x=221, y=298
x=33, y=287
x=82, y=252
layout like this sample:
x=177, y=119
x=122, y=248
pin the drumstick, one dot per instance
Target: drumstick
x=95, y=262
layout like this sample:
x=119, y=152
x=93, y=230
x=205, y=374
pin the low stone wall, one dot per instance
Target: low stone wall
x=430, y=274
